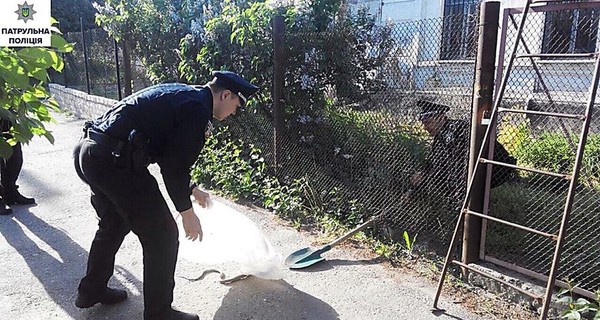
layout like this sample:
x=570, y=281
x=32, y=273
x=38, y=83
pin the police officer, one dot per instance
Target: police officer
x=165, y=124
x=446, y=164
x=10, y=169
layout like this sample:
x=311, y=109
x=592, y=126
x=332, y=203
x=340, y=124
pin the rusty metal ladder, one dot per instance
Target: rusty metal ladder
x=558, y=237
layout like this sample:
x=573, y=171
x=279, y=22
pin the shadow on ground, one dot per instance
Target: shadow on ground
x=255, y=298
x=60, y=275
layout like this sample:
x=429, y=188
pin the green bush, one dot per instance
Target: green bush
x=552, y=151
x=23, y=97
x=238, y=170
x=231, y=166
x=549, y=151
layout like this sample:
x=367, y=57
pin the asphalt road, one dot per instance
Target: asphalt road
x=43, y=254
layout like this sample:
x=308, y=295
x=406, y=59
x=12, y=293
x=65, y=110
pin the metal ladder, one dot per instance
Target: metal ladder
x=489, y=139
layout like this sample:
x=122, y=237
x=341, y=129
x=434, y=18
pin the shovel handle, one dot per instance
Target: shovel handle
x=351, y=233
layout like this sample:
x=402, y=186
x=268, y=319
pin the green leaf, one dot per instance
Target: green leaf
x=572, y=315
x=565, y=299
x=38, y=57
x=29, y=96
x=581, y=302
x=15, y=76
x=407, y=240
x=49, y=136
x=39, y=73
x=5, y=149
x=60, y=44
x=58, y=63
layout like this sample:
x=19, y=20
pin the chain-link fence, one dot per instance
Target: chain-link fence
x=363, y=148
x=560, y=85
x=356, y=129
x=375, y=155
x=96, y=65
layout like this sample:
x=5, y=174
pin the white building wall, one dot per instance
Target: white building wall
x=402, y=10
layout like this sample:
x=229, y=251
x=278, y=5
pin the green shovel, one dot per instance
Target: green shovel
x=307, y=257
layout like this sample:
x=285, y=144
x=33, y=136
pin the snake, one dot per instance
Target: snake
x=222, y=276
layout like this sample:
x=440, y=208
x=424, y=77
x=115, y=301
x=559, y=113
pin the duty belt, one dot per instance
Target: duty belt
x=114, y=144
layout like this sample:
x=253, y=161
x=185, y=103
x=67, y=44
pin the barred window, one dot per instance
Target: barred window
x=459, y=39
x=571, y=31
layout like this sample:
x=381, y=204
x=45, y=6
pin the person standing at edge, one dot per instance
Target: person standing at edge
x=10, y=169
x=166, y=124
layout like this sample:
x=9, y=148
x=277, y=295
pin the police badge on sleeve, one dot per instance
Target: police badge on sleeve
x=208, y=130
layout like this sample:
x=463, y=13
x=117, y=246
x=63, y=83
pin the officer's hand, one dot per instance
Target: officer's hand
x=191, y=225
x=203, y=198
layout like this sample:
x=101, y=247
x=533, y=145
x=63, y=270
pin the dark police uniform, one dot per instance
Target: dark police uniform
x=446, y=164
x=10, y=169
x=165, y=124
x=173, y=118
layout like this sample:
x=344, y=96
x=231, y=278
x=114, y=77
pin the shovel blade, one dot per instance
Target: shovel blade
x=305, y=257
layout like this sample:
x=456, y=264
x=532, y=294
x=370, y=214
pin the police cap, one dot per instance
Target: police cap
x=429, y=109
x=236, y=84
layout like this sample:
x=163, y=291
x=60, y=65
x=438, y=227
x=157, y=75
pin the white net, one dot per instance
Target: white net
x=232, y=244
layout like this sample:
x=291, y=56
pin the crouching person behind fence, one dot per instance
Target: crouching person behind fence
x=446, y=163
x=165, y=124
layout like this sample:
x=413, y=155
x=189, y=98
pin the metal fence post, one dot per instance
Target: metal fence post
x=117, y=67
x=482, y=101
x=278, y=83
x=85, y=58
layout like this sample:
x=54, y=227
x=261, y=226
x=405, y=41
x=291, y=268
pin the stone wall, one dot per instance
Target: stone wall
x=81, y=104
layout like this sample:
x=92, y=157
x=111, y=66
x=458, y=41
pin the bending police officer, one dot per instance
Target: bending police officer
x=165, y=124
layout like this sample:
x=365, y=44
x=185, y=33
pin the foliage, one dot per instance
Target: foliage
x=552, y=151
x=549, y=151
x=62, y=10
x=23, y=96
x=344, y=149
x=578, y=308
x=154, y=28
x=231, y=167
x=409, y=244
x=389, y=251
x=238, y=170
x=343, y=58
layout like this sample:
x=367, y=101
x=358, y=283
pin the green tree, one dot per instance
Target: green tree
x=23, y=96
x=154, y=28
x=327, y=46
x=63, y=11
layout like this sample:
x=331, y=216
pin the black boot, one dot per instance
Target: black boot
x=4, y=208
x=17, y=198
x=110, y=296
